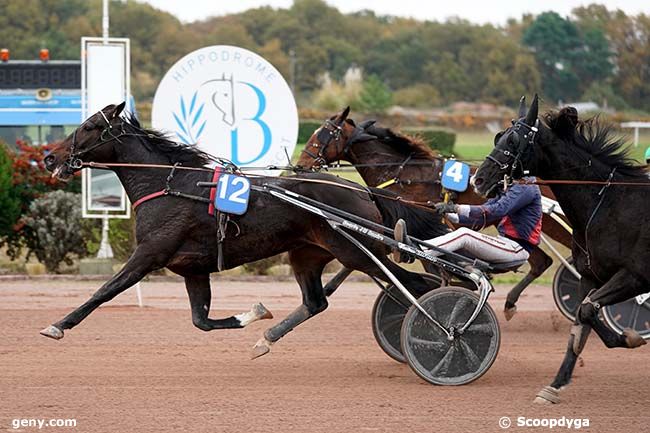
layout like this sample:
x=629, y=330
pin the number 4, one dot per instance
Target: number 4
x=455, y=172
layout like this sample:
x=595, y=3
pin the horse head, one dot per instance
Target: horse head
x=223, y=97
x=331, y=141
x=512, y=156
x=93, y=140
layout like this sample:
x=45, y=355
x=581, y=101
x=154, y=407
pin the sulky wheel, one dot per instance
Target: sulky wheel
x=387, y=316
x=432, y=355
x=565, y=291
x=633, y=313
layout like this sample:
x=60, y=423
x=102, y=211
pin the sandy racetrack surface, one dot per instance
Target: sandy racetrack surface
x=130, y=369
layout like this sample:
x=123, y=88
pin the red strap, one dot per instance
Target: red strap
x=213, y=190
x=148, y=197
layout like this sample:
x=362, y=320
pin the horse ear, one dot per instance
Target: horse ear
x=344, y=114
x=522, y=107
x=367, y=124
x=566, y=122
x=118, y=109
x=533, y=112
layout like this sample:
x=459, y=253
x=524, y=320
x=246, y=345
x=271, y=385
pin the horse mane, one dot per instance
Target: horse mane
x=598, y=138
x=186, y=154
x=403, y=143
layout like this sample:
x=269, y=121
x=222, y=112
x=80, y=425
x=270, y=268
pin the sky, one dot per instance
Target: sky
x=477, y=11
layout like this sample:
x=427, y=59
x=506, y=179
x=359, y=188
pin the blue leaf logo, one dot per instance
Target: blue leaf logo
x=189, y=122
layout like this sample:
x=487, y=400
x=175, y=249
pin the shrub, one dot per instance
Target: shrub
x=30, y=180
x=375, y=97
x=437, y=139
x=306, y=128
x=418, y=96
x=9, y=199
x=121, y=236
x=53, y=229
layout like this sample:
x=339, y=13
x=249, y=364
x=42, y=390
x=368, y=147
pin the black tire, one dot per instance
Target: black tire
x=387, y=315
x=565, y=291
x=426, y=347
x=629, y=314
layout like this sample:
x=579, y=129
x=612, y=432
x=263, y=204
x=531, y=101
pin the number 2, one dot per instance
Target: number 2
x=455, y=172
x=236, y=195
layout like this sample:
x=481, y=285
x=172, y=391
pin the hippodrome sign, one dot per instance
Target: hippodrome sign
x=232, y=103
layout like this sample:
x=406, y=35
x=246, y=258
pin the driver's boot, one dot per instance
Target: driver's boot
x=402, y=236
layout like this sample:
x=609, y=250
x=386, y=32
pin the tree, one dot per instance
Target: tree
x=555, y=41
x=375, y=96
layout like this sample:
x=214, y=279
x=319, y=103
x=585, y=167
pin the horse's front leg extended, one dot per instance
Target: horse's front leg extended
x=198, y=290
x=141, y=262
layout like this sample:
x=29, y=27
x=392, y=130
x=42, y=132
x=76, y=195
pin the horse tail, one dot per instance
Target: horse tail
x=421, y=223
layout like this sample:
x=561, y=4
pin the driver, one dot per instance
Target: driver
x=518, y=212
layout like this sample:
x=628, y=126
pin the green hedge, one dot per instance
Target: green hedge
x=306, y=128
x=438, y=139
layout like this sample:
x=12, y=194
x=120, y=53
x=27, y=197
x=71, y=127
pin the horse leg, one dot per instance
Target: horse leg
x=577, y=339
x=622, y=286
x=308, y=263
x=539, y=262
x=141, y=262
x=336, y=281
x=198, y=290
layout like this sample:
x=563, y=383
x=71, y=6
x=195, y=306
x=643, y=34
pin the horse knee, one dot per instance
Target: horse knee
x=201, y=323
x=586, y=312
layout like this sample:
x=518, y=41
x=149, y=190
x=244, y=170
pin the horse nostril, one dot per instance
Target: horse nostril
x=478, y=181
x=49, y=160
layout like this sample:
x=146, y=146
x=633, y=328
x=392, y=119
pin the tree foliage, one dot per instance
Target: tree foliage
x=562, y=56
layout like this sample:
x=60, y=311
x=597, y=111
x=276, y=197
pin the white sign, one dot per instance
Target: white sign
x=230, y=102
x=105, y=69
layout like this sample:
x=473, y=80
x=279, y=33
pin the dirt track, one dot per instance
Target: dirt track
x=130, y=369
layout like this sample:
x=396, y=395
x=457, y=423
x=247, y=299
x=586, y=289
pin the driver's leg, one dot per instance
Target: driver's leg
x=484, y=247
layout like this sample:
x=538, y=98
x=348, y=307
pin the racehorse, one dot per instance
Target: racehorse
x=178, y=233
x=411, y=169
x=605, y=197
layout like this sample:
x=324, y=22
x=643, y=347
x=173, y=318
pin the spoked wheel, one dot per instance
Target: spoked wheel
x=633, y=313
x=387, y=316
x=565, y=291
x=436, y=359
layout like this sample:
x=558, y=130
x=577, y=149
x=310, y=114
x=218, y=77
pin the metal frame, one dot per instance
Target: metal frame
x=344, y=226
x=124, y=211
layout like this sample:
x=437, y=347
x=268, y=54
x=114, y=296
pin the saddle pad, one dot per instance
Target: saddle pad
x=213, y=190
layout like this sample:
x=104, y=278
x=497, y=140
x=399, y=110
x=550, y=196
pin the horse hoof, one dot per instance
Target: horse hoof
x=633, y=339
x=262, y=312
x=547, y=395
x=261, y=348
x=52, y=332
x=509, y=312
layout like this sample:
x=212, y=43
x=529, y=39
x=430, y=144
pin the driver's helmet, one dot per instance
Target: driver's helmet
x=647, y=155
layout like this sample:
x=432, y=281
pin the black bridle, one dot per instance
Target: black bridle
x=74, y=161
x=522, y=143
x=329, y=132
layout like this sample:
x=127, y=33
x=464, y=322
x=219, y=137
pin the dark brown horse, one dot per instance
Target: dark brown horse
x=178, y=233
x=412, y=170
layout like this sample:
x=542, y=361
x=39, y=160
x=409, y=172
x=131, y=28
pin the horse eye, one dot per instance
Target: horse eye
x=89, y=126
